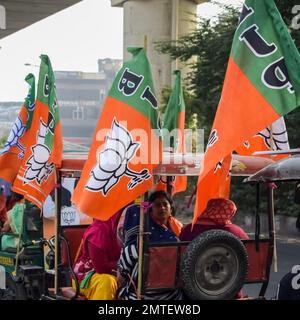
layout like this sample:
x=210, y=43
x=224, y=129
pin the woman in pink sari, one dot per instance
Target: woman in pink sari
x=96, y=266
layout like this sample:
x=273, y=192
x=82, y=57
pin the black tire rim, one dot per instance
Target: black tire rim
x=216, y=269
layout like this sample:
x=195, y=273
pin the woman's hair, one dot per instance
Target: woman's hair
x=162, y=194
x=16, y=196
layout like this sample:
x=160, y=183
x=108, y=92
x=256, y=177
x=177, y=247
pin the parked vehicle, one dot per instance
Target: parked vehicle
x=249, y=261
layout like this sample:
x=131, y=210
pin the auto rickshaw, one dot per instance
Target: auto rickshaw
x=22, y=267
x=173, y=255
x=246, y=262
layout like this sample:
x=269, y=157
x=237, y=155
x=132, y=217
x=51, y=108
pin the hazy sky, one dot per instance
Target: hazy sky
x=74, y=39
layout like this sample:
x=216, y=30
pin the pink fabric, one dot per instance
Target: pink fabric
x=3, y=215
x=188, y=235
x=101, y=249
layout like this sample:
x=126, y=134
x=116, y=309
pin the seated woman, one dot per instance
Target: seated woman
x=163, y=227
x=96, y=266
x=217, y=215
x=14, y=222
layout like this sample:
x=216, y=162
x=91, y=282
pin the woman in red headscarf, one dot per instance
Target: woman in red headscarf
x=217, y=215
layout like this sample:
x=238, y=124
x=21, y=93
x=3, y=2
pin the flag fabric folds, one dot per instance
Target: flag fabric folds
x=272, y=138
x=261, y=84
x=216, y=184
x=36, y=176
x=14, y=149
x=121, y=159
x=173, y=132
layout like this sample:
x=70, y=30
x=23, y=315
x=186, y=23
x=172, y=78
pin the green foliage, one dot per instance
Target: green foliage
x=2, y=141
x=210, y=44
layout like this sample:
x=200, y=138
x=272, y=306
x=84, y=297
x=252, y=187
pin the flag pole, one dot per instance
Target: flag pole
x=275, y=258
x=56, y=226
x=141, y=229
x=141, y=251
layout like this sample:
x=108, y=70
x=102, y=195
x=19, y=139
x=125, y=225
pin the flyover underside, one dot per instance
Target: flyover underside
x=22, y=13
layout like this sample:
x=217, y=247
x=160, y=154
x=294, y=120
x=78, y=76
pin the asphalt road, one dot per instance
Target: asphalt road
x=288, y=255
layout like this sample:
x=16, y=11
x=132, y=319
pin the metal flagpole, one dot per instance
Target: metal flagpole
x=56, y=225
x=141, y=229
x=275, y=258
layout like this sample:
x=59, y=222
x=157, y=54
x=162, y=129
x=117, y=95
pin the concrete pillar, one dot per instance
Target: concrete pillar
x=159, y=20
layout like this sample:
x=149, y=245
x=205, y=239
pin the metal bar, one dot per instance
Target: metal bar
x=271, y=239
x=140, y=266
x=57, y=232
x=291, y=151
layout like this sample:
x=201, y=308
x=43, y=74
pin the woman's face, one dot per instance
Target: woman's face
x=161, y=210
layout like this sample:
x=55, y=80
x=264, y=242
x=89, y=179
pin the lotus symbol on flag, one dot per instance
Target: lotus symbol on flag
x=275, y=139
x=113, y=162
x=38, y=168
x=16, y=133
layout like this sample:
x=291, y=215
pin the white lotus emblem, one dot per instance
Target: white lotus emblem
x=275, y=136
x=113, y=162
x=38, y=168
x=15, y=134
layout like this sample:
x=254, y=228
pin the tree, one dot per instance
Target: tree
x=2, y=141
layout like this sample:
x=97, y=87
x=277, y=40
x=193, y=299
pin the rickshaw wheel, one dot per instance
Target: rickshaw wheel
x=13, y=291
x=214, y=266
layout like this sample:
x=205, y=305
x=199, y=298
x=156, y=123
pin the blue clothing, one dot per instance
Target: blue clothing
x=128, y=263
x=158, y=233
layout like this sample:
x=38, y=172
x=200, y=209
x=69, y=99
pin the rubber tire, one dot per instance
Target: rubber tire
x=14, y=290
x=204, y=242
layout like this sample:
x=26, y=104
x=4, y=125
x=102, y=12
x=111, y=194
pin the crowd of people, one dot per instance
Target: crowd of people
x=107, y=264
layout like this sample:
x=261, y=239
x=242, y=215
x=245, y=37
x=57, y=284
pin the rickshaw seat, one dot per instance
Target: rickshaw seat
x=73, y=236
x=168, y=255
x=258, y=260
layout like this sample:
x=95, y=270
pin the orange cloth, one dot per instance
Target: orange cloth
x=175, y=225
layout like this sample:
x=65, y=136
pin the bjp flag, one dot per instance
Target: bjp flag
x=173, y=133
x=216, y=184
x=120, y=164
x=261, y=84
x=36, y=176
x=272, y=138
x=14, y=149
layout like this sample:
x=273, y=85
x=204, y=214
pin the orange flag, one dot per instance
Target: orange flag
x=216, y=184
x=36, y=177
x=14, y=149
x=261, y=83
x=272, y=138
x=121, y=160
